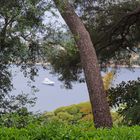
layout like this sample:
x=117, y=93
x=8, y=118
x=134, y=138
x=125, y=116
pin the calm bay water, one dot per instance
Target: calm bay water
x=52, y=97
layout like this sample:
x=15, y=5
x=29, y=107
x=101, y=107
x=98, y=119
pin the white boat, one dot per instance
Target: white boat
x=48, y=81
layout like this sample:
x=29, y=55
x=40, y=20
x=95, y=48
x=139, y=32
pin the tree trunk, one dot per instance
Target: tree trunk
x=100, y=107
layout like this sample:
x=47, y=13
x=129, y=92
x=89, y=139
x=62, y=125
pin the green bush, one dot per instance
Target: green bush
x=64, y=116
x=55, y=130
x=73, y=109
x=19, y=119
x=69, y=114
x=126, y=97
x=77, y=113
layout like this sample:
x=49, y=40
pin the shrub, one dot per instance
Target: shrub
x=55, y=130
x=126, y=97
x=19, y=119
x=80, y=113
x=64, y=116
x=73, y=113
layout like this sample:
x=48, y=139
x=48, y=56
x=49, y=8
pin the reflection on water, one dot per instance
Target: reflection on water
x=52, y=97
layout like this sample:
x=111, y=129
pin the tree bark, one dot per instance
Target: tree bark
x=100, y=107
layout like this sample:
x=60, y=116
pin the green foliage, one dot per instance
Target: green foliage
x=70, y=109
x=74, y=114
x=12, y=103
x=64, y=116
x=65, y=61
x=63, y=123
x=18, y=119
x=21, y=28
x=20, y=24
x=126, y=97
x=117, y=119
x=55, y=130
x=71, y=114
x=110, y=29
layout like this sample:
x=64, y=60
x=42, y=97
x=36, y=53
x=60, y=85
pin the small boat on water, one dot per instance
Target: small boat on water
x=47, y=81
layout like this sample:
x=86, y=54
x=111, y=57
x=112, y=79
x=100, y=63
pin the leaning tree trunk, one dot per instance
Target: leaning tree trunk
x=100, y=107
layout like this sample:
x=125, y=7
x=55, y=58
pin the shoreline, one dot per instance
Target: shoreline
x=123, y=66
x=105, y=66
x=112, y=65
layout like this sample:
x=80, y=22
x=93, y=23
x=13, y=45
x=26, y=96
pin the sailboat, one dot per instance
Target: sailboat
x=47, y=81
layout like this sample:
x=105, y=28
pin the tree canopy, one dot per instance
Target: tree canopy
x=114, y=30
x=113, y=26
x=20, y=26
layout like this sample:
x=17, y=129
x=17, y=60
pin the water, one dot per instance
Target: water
x=49, y=97
x=52, y=97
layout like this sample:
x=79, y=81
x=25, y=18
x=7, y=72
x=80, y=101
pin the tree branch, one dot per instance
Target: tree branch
x=122, y=23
